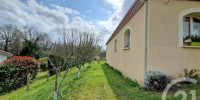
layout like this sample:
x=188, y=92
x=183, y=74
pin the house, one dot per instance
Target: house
x=156, y=35
x=4, y=55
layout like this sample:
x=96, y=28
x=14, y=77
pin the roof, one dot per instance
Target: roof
x=5, y=53
x=131, y=12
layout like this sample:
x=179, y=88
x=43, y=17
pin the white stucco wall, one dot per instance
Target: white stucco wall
x=2, y=57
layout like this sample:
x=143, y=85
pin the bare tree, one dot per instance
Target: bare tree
x=83, y=45
x=57, y=63
x=75, y=49
x=33, y=35
x=45, y=42
x=10, y=36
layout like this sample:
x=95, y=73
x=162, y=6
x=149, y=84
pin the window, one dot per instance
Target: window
x=196, y=26
x=186, y=27
x=191, y=29
x=127, y=39
x=115, y=49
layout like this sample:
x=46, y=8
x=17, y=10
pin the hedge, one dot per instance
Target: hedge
x=14, y=72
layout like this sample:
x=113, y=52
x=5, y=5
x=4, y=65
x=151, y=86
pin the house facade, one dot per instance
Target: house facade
x=156, y=35
x=4, y=55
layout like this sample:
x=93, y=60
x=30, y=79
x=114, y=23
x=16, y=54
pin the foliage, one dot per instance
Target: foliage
x=31, y=49
x=14, y=72
x=97, y=82
x=57, y=61
x=195, y=44
x=156, y=81
x=192, y=73
x=43, y=64
x=198, y=81
x=44, y=67
x=195, y=38
x=43, y=60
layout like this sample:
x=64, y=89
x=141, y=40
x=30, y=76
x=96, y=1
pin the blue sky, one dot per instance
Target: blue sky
x=91, y=10
x=102, y=16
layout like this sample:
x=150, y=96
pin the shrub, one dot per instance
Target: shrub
x=192, y=73
x=44, y=67
x=195, y=38
x=156, y=81
x=14, y=72
x=198, y=81
x=31, y=49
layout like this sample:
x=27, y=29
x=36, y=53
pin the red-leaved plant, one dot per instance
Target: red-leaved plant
x=14, y=72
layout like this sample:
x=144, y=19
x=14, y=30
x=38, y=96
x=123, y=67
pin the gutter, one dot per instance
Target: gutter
x=145, y=40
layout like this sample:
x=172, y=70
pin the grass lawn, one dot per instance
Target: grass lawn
x=98, y=82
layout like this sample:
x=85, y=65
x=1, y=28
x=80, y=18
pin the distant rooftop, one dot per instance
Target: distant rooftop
x=5, y=53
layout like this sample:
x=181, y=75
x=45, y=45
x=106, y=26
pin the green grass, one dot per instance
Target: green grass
x=195, y=44
x=98, y=82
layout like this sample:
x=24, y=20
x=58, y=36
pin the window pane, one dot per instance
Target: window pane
x=195, y=26
x=129, y=39
x=199, y=27
x=115, y=45
x=186, y=27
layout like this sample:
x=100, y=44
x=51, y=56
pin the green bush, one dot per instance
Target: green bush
x=44, y=67
x=192, y=73
x=14, y=72
x=32, y=50
x=195, y=38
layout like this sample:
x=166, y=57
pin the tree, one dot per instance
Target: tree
x=31, y=49
x=9, y=35
x=57, y=63
x=73, y=49
x=81, y=45
x=33, y=35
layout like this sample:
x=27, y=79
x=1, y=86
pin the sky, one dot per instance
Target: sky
x=101, y=16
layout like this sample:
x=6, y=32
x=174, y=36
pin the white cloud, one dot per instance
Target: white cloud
x=81, y=24
x=108, y=26
x=48, y=20
x=40, y=16
x=115, y=3
x=66, y=10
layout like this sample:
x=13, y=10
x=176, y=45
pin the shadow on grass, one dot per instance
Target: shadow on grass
x=72, y=85
x=123, y=88
x=42, y=77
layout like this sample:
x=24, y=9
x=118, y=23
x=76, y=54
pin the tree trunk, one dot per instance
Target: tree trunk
x=28, y=81
x=55, y=95
x=48, y=75
x=56, y=89
x=6, y=45
x=63, y=79
x=79, y=72
x=89, y=63
x=83, y=68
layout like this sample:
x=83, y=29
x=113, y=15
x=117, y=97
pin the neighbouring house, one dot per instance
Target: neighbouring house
x=4, y=55
x=156, y=35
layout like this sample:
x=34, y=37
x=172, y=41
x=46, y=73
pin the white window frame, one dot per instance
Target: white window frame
x=180, y=17
x=128, y=28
